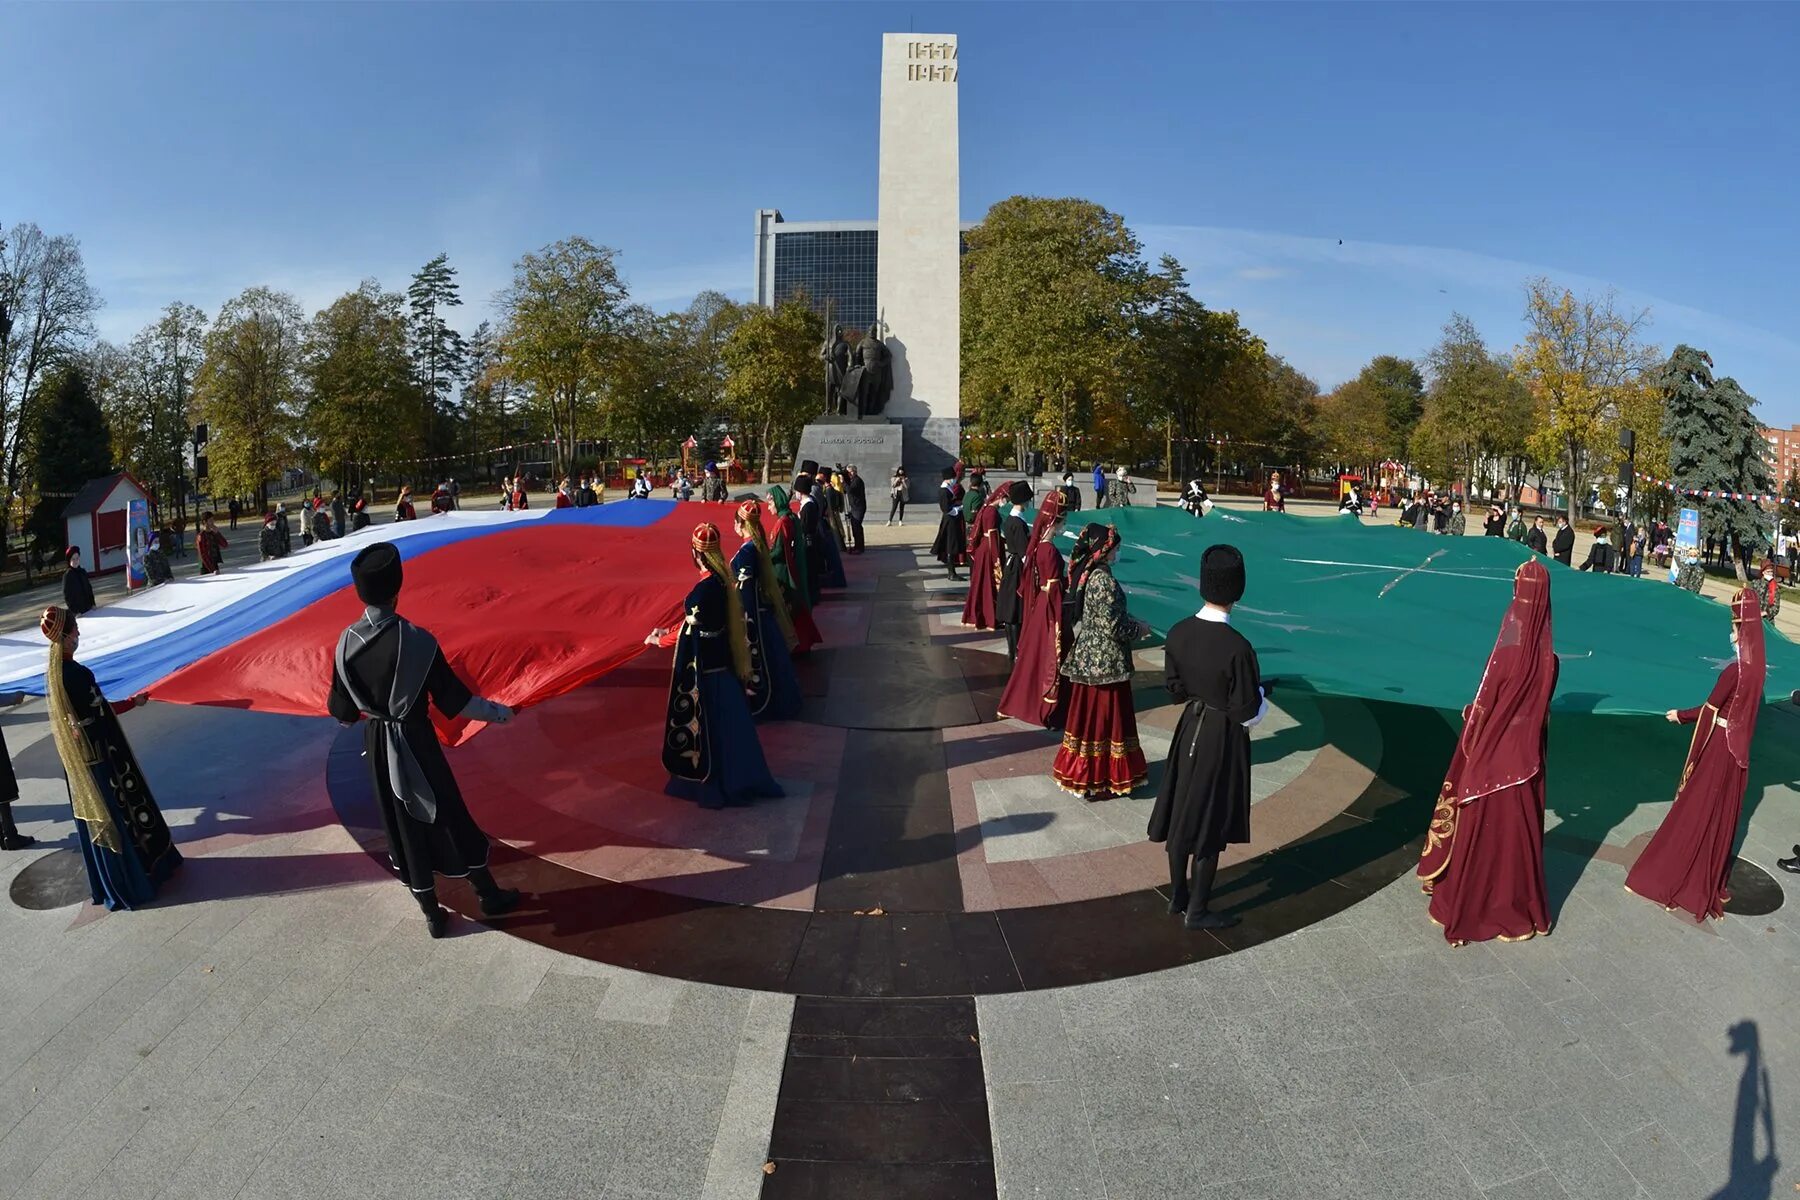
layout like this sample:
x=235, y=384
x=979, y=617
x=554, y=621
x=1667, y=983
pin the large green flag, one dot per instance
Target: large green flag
x=1389, y=613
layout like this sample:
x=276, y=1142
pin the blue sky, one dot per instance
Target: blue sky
x=1456, y=149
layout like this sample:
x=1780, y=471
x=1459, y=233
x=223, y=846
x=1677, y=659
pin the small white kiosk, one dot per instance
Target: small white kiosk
x=96, y=522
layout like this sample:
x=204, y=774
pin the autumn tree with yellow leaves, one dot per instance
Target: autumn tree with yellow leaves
x=1585, y=366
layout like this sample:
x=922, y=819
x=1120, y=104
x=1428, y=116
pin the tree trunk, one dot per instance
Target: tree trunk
x=768, y=452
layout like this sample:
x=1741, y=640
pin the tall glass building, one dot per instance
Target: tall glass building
x=831, y=261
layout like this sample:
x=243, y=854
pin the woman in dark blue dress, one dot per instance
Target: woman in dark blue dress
x=710, y=745
x=774, y=689
x=124, y=840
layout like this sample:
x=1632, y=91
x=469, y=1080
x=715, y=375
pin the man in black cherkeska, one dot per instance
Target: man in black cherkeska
x=1015, y=537
x=1204, y=802
x=389, y=670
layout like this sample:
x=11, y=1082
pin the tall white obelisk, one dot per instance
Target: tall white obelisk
x=918, y=286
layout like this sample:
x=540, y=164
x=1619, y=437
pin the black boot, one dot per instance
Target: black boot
x=1178, y=885
x=495, y=900
x=1790, y=864
x=10, y=837
x=1198, y=915
x=437, y=921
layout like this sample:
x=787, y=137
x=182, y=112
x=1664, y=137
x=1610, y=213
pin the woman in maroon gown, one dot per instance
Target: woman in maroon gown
x=1688, y=862
x=1483, y=863
x=1035, y=692
x=984, y=565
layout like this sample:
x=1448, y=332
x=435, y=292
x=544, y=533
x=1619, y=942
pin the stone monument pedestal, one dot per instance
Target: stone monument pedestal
x=873, y=445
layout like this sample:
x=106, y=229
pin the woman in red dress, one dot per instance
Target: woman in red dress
x=1483, y=863
x=984, y=565
x=1100, y=756
x=1688, y=862
x=1035, y=693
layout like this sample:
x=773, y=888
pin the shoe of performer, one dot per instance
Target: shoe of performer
x=10, y=837
x=1208, y=920
x=1791, y=865
x=499, y=902
x=1199, y=916
x=437, y=921
x=495, y=900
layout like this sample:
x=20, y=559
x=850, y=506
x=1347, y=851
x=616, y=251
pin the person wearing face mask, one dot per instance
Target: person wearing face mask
x=1687, y=864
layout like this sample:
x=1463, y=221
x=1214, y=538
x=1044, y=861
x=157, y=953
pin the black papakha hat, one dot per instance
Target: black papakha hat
x=1221, y=575
x=376, y=573
x=1019, y=492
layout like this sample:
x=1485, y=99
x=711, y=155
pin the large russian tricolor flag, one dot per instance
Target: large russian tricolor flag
x=526, y=605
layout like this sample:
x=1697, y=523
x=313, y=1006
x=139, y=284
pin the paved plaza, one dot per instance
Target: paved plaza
x=926, y=972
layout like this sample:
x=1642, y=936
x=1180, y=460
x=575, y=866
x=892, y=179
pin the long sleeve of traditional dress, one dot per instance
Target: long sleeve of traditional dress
x=1722, y=689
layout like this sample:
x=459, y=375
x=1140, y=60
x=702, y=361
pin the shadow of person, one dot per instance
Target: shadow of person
x=1751, y=1178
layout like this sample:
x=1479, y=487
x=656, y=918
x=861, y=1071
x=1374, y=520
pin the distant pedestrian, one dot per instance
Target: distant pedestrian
x=156, y=566
x=268, y=541
x=563, y=499
x=1071, y=493
x=712, y=486
x=1537, y=539
x=1099, y=485
x=359, y=515
x=321, y=522
x=281, y=528
x=1119, y=489
x=856, y=507
x=1562, y=546
x=455, y=494
x=1459, y=523
x=77, y=588
x=234, y=508
x=897, y=497
x=306, y=522
x=403, y=508
x=337, y=514
x=210, y=545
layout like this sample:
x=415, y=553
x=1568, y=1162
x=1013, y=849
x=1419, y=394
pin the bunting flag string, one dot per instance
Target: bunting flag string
x=1715, y=493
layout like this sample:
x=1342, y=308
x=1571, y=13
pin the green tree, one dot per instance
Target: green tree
x=1290, y=423
x=653, y=397
x=1715, y=444
x=73, y=446
x=1474, y=411
x=772, y=374
x=563, y=317
x=1582, y=360
x=1352, y=424
x=489, y=408
x=50, y=311
x=145, y=390
x=248, y=390
x=1790, y=507
x=1397, y=388
x=438, y=351
x=359, y=383
x=1052, y=291
x=1199, y=371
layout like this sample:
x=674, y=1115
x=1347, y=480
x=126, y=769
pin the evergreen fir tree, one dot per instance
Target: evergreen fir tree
x=438, y=352
x=73, y=446
x=1715, y=444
